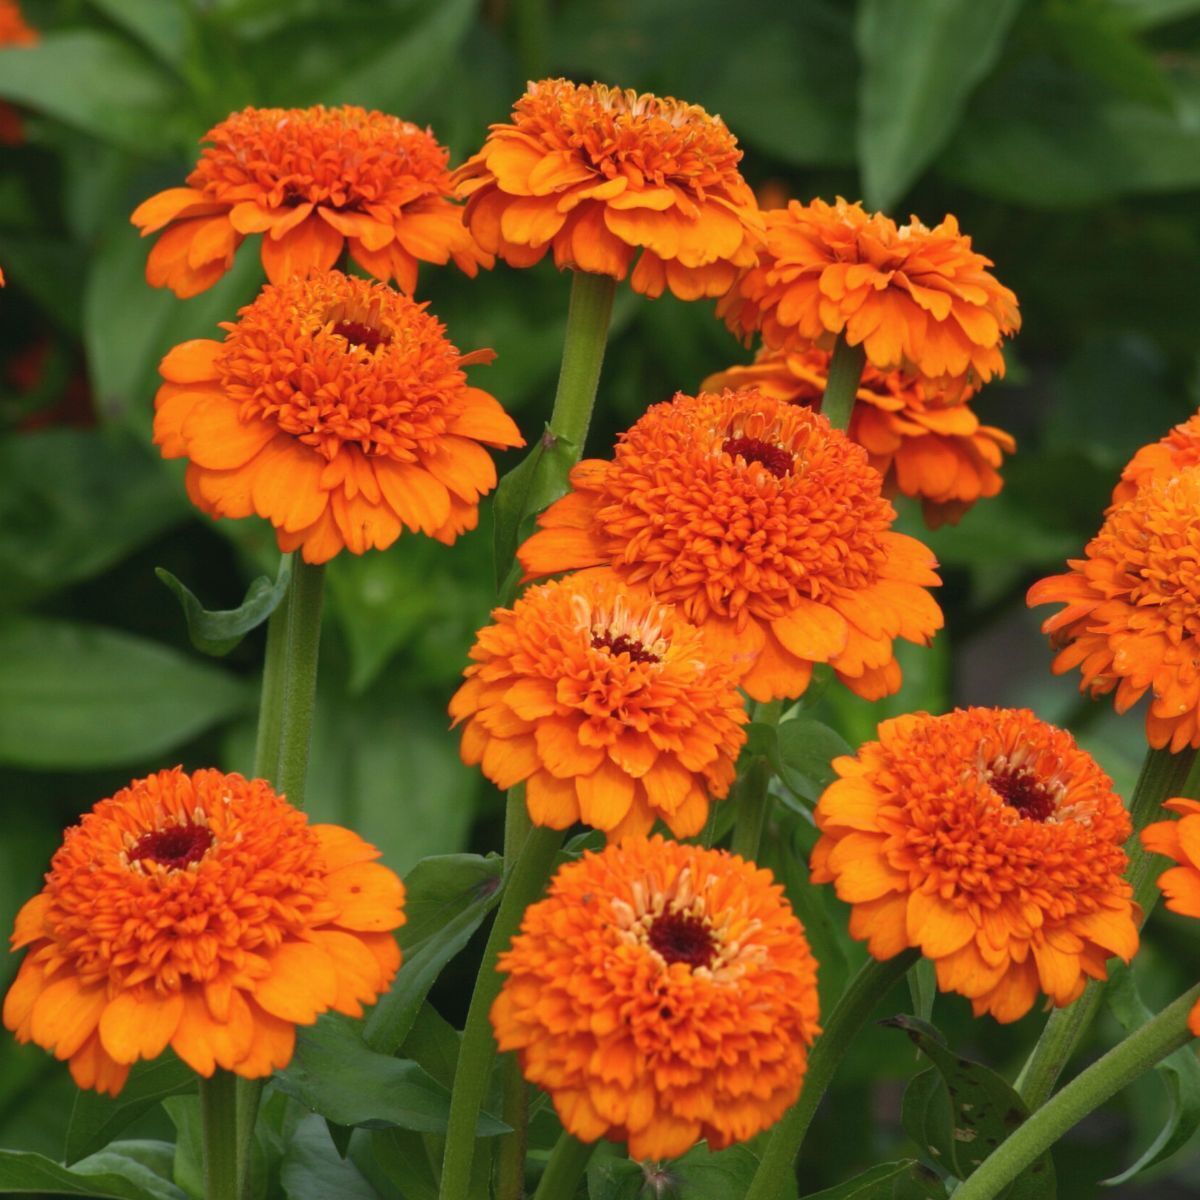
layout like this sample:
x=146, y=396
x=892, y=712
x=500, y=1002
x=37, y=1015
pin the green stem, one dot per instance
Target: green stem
x=303, y=645
x=565, y=1168
x=1085, y=1093
x=588, y=316
x=218, y=1131
x=776, y=1170
x=841, y=389
x=1163, y=775
x=753, y=797
x=274, y=681
x=523, y=885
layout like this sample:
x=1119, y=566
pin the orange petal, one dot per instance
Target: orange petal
x=65, y=1014
x=302, y=982
x=204, y=1043
x=604, y=796
x=217, y=437
x=342, y=847
x=135, y=1025
x=552, y=802
x=193, y=361
x=368, y=896
x=171, y=205
x=812, y=631
x=419, y=500
x=311, y=246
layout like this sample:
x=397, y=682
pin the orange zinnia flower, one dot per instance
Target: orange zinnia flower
x=765, y=526
x=609, y=707
x=598, y=174
x=660, y=994
x=1130, y=621
x=988, y=840
x=310, y=180
x=1179, y=840
x=201, y=912
x=1162, y=459
x=916, y=299
x=336, y=409
x=13, y=32
x=925, y=442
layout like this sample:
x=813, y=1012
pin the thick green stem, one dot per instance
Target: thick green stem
x=1083, y=1095
x=776, y=1170
x=270, y=704
x=523, y=885
x=845, y=372
x=565, y=1168
x=218, y=1132
x=1163, y=775
x=588, y=315
x=752, y=792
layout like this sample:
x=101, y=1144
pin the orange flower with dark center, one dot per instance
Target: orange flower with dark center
x=1132, y=616
x=764, y=526
x=204, y=913
x=14, y=31
x=311, y=181
x=1180, y=884
x=609, y=707
x=660, y=994
x=1163, y=459
x=599, y=174
x=336, y=409
x=989, y=841
x=926, y=443
x=916, y=299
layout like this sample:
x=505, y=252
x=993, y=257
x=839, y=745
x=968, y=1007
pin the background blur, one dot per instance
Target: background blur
x=1065, y=134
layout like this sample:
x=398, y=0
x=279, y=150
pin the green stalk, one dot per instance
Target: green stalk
x=752, y=795
x=565, y=1168
x=523, y=885
x=841, y=389
x=1140, y=1051
x=776, y=1170
x=218, y=1132
x=274, y=681
x=1163, y=775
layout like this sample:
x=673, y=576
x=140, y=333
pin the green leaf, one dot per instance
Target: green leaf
x=889, y=1181
x=701, y=1174
x=163, y=25
x=96, y=1119
x=402, y=1156
x=447, y=898
x=312, y=1169
x=187, y=1167
x=804, y=750
x=109, y=1174
x=922, y=987
x=336, y=1074
x=75, y=696
x=920, y=61
x=537, y=481
x=1179, y=1072
x=968, y=1115
x=217, y=633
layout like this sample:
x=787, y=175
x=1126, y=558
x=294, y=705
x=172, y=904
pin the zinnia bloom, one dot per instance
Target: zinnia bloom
x=201, y=912
x=916, y=299
x=764, y=526
x=1162, y=459
x=600, y=174
x=925, y=441
x=13, y=32
x=610, y=708
x=988, y=840
x=1180, y=884
x=1130, y=621
x=660, y=994
x=336, y=409
x=310, y=180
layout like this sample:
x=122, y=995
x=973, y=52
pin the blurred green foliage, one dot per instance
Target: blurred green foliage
x=1065, y=134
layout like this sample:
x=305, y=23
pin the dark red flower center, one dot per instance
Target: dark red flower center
x=1024, y=792
x=681, y=938
x=624, y=645
x=363, y=335
x=174, y=848
x=753, y=450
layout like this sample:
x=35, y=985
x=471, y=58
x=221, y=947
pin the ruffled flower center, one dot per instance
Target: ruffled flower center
x=359, y=333
x=754, y=450
x=176, y=847
x=681, y=937
x=1024, y=791
x=620, y=644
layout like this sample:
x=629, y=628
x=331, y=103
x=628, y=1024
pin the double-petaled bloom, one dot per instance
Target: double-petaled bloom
x=660, y=994
x=1131, y=621
x=916, y=299
x=764, y=526
x=924, y=439
x=311, y=181
x=610, y=707
x=601, y=176
x=337, y=409
x=204, y=913
x=990, y=842
x=1161, y=460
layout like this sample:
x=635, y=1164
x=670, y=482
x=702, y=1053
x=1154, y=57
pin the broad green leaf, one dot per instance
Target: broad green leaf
x=187, y=1167
x=109, y=1175
x=804, y=750
x=218, y=632
x=74, y=696
x=920, y=60
x=96, y=1119
x=163, y=25
x=402, y=1156
x=447, y=899
x=701, y=1174
x=904, y=1180
x=312, y=1169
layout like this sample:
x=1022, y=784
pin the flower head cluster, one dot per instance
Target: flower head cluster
x=660, y=994
x=921, y=437
x=311, y=181
x=1132, y=617
x=987, y=839
x=916, y=299
x=610, y=707
x=201, y=912
x=599, y=174
x=336, y=409
x=1161, y=460
x=14, y=31
x=763, y=525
